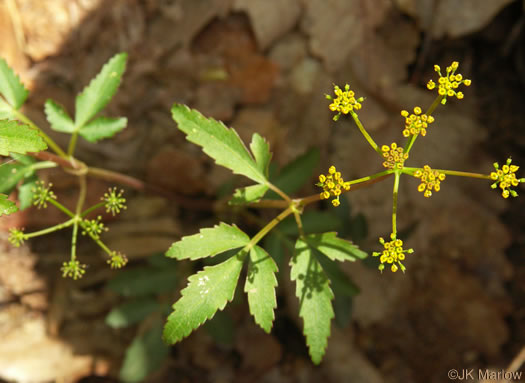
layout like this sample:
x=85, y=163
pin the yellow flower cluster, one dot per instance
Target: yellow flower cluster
x=344, y=102
x=392, y=254
x=416, y=123
x=449, y=83
x=506, y=178
x=394, y=156
x=332, y=184
x=430, y=180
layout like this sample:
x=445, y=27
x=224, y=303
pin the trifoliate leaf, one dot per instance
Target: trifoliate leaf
x=132, y=312
x=261, y=152
x=335, y=248
x=208, y=291
x=296, y=173
x=315, y=295
x=100, y=90
x=6, y=207
x=11, y=87
x=217, y=141
x=248, y=194
x=145, y=355
x=19, y=138
x=260, y=287
x=209, y=242
x=58, y=118
x=102, y=127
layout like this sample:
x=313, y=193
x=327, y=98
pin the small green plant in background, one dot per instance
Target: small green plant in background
x=314, y=253
x=145, y=290
x=24, y=142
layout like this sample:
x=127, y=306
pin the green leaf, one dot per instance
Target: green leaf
x=23, y=159
x=208, y=291
x=279, y=247
x=209, y=242
x=10, y=174
x=358, y=228
x=261, y=152
x=102, y=127
x=6, y=111
x=217, y=141
x=335, y=248
x=145, y=355
x=58, y=118
x=315, y=295
x=6, y=207
x=159, y=260
x=100, y=90
x=260, y=287
x=143, y=281
x=294, y=175
x=340, y=283
x=129, y=313
x=343, y=212
x=248, y=194
x=19, y=138
x=342, y=309
x=11, y=87
x=25, y=193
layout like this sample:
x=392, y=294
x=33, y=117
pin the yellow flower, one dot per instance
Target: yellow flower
x=344, y=102
x=393, y=253
x=449, y=83
x=416, y=123
x=333, y=184
x=394, y=156
x=506, y=178
x=430, y=180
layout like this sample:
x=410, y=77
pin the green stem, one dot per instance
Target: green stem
x=82, y=194
x=296, y=208
x=464, y=174
x=74, y=239
x=394, y=204
x=94, y=207
x=61, y=207
x=429, y=111
x=282, y=194
x=49, y=141
x=72, y=144
x=96, y=239
x=371, y=177
x=43, y=165
x=274, y=222
x=411, y=171
x=365, y=133
x=49, y=230
x=359, y=183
